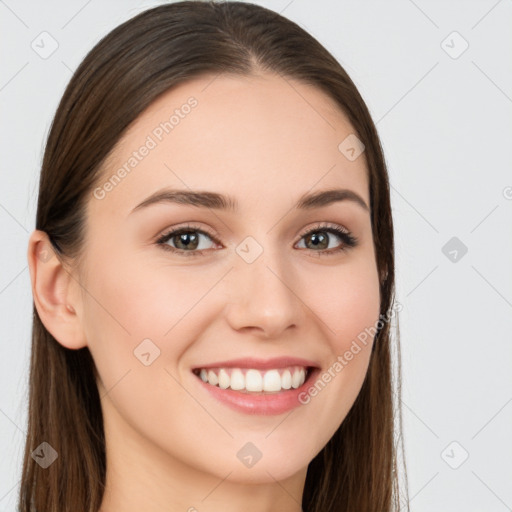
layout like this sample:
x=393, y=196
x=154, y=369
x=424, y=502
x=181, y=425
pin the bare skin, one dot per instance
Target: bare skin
x=170, y=445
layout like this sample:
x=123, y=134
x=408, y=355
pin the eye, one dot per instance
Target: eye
x=318, y=238
x=186, y=240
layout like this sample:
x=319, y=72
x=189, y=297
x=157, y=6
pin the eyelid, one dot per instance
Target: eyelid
x=324, y=225
x=188, y=227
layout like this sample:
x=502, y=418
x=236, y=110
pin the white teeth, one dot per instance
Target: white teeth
x=252, y=380
x=296, y=380
x=212, y=378
x=286, y=379
x=223, y=379
x=272, y=381
x=237, y=380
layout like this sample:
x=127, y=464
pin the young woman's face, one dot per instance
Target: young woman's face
x=245, y=282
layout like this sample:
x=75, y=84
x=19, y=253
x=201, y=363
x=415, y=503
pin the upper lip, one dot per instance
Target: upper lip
x=262, y=364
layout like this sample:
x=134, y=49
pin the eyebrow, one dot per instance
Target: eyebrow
x=218, y=201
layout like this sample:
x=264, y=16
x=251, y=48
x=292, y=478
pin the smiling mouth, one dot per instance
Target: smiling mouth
x=254, y=381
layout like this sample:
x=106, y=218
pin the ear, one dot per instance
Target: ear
x=55, y=292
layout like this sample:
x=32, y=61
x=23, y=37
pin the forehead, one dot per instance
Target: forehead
x=261, y=139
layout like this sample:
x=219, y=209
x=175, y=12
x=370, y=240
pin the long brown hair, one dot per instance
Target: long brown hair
x=119, y=78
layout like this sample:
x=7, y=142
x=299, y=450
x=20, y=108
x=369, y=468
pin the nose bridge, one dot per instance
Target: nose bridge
x=263, y=295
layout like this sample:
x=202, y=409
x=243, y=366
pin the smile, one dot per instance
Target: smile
x=256, y=392
x=251, y=380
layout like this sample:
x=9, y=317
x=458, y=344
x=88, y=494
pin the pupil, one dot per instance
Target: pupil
x=183, y=240
x=316, y=239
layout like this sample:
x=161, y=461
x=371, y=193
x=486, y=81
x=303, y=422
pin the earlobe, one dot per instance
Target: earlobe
x=53, y=292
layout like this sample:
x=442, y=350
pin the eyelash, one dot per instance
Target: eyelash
x=348, y=240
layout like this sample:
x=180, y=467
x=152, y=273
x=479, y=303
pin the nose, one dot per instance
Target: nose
x=262, y=298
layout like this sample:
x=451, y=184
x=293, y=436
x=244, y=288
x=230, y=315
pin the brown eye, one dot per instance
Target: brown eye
x=186, y=240
x=318, y=239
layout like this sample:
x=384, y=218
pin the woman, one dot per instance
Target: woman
x=213, y=277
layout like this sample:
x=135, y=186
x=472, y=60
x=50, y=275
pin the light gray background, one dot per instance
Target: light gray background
x=446, y=127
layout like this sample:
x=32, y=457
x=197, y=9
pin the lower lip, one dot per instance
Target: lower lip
x=262, y=403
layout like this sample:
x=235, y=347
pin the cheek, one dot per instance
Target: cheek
x=346, y=299
x=129, y=303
